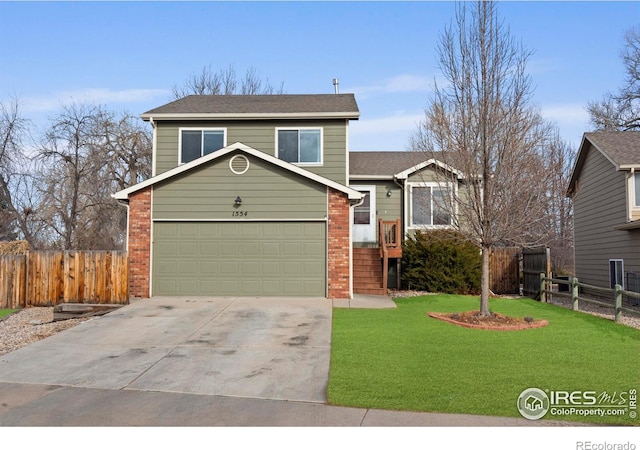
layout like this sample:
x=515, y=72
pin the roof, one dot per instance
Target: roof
x=382, y=165
x=621, y=148
x=341, y=106
x=125, y=193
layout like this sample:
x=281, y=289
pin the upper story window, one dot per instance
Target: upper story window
x=430, y=205
x=197, y=142
x=299, y=145
x=636, y=182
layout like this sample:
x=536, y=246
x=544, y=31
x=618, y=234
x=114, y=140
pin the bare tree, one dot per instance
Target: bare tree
x=621, y=110
x=558, y=157
x=225, y=82
x=481, y=123
x=13, y=131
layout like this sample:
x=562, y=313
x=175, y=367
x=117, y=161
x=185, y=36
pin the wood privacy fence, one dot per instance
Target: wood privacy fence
x=534, y=262
x=42, y=278
x=504, y=270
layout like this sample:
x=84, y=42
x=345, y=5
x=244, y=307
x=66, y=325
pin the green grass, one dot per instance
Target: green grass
x=6, y=312
x=404, y=360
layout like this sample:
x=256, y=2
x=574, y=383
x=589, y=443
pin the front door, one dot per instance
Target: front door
x=364, y=216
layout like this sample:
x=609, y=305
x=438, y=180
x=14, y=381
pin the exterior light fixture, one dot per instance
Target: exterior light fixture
x=389, y=192
x=238, y=201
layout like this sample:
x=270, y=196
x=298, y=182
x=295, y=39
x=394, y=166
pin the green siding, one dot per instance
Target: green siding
x=261, y=136
x=268, y=193
x=239, y=259
x=424, y=176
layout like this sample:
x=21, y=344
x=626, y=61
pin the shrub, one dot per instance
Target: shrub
x=441, y=261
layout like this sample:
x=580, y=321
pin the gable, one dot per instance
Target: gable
x=241, y=148
x=268, y=192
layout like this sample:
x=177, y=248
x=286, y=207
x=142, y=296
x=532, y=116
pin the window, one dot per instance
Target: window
x=429, y=206
x=636, y=182
x=299, y=146
x=362, y=213
x=195, y=143
x=616, y=273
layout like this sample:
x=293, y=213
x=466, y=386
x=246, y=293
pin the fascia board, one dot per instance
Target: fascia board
x=250, y=116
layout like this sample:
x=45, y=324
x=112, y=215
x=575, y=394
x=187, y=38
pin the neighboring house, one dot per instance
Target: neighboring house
x=605, y=188
x=259, y=196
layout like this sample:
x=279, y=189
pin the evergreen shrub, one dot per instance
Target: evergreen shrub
x=441, y=261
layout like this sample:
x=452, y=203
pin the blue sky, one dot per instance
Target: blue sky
x=128, y=55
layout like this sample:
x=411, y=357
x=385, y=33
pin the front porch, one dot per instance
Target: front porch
x=371, y=264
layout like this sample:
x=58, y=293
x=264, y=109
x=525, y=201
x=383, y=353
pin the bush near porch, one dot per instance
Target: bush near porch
x=441, y=261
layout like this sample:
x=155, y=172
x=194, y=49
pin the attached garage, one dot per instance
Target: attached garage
x=239, y=222
x=240, y=258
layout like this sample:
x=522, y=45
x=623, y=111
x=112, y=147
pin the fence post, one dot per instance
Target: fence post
x=574, y=293
x=543, y=288
x=618, y=313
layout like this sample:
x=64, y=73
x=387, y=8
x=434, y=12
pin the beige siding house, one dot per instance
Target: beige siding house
x=605, y=188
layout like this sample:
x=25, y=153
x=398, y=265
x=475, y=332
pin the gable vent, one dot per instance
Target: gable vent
x=239, y=164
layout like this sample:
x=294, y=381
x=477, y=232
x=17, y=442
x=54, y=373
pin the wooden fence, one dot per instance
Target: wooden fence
x=574, y=287
x=41, y=278
x=504, y=270
x=534, y=262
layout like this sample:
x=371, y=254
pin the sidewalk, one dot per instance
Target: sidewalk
x=28, y=405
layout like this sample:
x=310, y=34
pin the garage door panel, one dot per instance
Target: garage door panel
x=232, y=258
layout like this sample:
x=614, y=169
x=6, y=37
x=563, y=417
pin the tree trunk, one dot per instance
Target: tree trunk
x=484, y=295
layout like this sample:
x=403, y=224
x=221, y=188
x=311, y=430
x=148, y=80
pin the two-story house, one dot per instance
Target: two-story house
x=605, y=188
x=260, y=196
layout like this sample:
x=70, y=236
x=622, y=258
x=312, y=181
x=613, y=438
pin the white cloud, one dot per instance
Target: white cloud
x=384, y=133
x=572, y=120
x=398, y=84
x=91, y=96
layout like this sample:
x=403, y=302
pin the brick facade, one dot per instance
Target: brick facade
x=139, y=236
x=339, y=243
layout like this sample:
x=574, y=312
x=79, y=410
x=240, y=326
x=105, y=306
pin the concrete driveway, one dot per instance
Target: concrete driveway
x=275, y=348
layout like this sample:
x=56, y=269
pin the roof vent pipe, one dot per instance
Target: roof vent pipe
x=336, y=82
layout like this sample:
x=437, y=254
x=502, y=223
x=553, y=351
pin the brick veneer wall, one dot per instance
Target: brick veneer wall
x=139, y=235
x=338, y=261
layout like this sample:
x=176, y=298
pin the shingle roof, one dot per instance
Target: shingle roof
x=383, y=163
x=621, y=147
x=243, y=106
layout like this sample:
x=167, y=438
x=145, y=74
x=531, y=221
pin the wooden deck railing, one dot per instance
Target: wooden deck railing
x=390, y=239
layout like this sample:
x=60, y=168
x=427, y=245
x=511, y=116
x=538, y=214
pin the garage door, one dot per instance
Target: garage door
x=239, y=258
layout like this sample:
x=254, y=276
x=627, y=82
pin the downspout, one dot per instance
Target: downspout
x=403, y=188
x=153, y=147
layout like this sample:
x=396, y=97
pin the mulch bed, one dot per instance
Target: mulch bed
x=495, y=321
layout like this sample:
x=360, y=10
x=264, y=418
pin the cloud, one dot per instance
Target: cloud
x=90, y=95
x=398, y=84
x=384, y=133
x=572, y=119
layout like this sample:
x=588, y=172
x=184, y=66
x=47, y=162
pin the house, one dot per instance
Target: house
x=605, y=188
x=259, y=196
x=403, y=193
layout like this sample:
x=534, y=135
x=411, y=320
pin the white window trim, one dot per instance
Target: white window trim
x=451, y=187
x=181, y=129
x=321, y=129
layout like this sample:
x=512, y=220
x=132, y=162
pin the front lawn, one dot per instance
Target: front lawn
x=404, y=360
x=6, y=312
